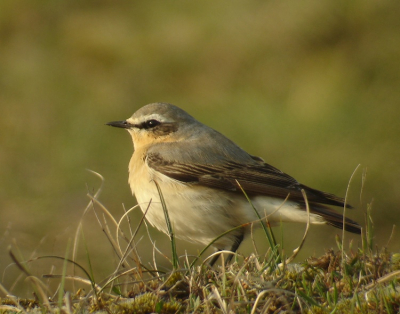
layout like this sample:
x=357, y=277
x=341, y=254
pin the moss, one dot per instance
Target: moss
x=147, y=303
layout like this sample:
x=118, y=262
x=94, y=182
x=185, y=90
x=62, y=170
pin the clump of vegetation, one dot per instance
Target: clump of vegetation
x=361, y=280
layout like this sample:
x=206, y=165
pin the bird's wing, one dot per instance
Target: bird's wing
x=256, y=178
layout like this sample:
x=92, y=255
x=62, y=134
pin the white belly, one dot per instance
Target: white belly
x=195, y=213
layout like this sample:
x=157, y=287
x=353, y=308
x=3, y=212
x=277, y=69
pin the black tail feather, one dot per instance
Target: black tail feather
x=335, y=219
x=350, y=225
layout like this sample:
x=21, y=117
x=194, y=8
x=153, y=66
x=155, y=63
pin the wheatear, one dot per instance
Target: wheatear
x=197, y=170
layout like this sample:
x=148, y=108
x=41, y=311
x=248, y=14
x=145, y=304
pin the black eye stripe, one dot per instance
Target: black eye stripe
x=149, y=124
x=158, y=128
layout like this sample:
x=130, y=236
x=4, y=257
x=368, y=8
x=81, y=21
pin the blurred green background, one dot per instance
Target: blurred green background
x=311, y=86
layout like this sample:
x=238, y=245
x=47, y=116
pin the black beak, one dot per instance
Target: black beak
x=120, y=124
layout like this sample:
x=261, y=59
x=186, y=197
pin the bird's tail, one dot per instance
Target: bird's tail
x=335, y=219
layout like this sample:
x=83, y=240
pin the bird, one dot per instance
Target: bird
x=207, y=181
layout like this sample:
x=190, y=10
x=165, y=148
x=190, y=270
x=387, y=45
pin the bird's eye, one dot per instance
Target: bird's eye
x=151, y=124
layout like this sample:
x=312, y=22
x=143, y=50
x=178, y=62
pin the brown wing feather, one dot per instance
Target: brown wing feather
x=258, y=178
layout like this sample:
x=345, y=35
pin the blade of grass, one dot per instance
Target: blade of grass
x=64, y=272
x=88, y=257
x=344, y=212
x=39, y=285
x=15, y=245
x=259, y=297
x=131, y=247
x=370, y=229
x=307, y=298
x=133, y=234
x=297, y=250
x=155, y=250
x=391, y=235
x=219, y=237
x=12, y=298
x=213, y=241
x=175, y=262
x=268, y=231
x=93, y=284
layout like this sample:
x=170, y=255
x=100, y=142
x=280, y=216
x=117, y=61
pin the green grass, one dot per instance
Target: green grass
x=356, y=280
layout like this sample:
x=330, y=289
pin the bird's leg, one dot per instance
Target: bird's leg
x=235, y=246
x=238, y=240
